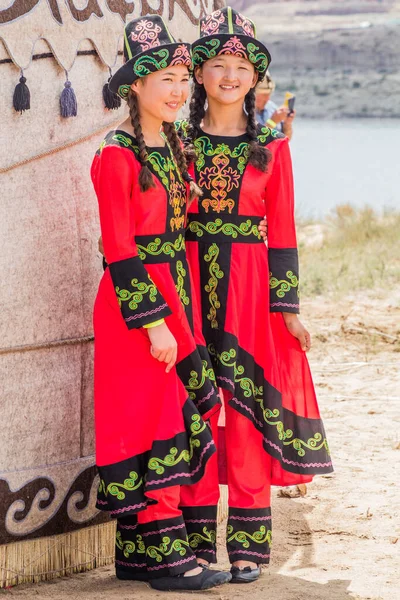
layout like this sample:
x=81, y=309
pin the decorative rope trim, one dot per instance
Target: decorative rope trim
x=46, y=345
x=147, y=313
x=26, y=161
x=233, y=518
x=169, y=565
x=285, y=304
x=172, y=528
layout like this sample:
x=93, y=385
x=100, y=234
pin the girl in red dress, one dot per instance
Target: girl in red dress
x=273, y=432
x=153, y=381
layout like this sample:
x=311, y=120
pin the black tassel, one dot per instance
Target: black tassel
x=22, y=96
x=112, y=101
x=68, y=103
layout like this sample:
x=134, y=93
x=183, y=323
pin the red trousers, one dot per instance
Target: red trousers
x=154, y=542
x=248, y=475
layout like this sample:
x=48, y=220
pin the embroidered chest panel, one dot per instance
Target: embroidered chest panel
x=220, y=166
x=162, y=164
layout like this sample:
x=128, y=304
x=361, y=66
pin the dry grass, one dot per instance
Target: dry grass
x=353, y=250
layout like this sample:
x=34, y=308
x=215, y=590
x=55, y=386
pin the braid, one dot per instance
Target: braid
x=259, y=156
x=145, y=177
x=197, y=110
x=180, y=158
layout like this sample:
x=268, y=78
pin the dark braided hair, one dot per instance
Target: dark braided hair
x=181, y=159
x=259, y=156
x=197, y=110
x=145, y=177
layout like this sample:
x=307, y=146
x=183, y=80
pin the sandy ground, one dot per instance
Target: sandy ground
x=342, y=540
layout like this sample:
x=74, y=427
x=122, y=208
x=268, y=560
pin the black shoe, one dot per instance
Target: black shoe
x=204, y=581
x=126, y=575
x=246, y=575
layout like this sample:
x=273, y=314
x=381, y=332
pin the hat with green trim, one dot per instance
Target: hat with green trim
x=148, y=47
x=226, y=31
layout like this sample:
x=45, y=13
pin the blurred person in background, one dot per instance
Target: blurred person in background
x=268, y=113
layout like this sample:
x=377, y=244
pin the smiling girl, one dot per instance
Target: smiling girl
x=273, y=432
x=153, y=382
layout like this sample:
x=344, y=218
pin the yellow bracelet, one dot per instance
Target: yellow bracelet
x=150, y=325
x=271, y=123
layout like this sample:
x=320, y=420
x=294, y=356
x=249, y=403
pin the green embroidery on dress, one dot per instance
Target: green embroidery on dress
x=195, y=384
x=218, y=226
x=162, y=165
x=114, y=489
x=266, y=133
x=125, y=141
x=181, y=271
x=155, y=248
x=136, y=296
x=283, y=285
x=166, y=548
x=204, y=148
x=271, y=417
x=195, y=539
x=215, y=274
x=128, y=547
x=259, y=537
x=140, y=68
x=172, y=459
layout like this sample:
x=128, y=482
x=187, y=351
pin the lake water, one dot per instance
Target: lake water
x=346, y=162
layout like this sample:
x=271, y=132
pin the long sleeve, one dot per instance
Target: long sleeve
x=139, y=299
x=282, y=244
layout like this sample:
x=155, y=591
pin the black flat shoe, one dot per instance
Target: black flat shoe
x=204, y=581
x=126, y=575
x=246, y=575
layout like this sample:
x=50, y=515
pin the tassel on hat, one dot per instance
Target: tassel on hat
x=22, y=95
x=68, y=103
x=112, y=101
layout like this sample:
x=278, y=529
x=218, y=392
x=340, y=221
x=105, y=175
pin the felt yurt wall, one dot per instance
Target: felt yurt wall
x=50, y=269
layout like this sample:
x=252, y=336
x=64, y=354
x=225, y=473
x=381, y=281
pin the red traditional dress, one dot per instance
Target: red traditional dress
x=273, y=434
x=150, y=435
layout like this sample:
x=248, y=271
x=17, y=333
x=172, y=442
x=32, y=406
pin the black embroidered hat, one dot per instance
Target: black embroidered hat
x=226, y=31
x=148, y=47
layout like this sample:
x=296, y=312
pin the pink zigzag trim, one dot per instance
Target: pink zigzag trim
x=267, y=441
x=136, y=565
x=149, y=312
x=102, y=502
x=163, y=530
x=249, y=552
x=121, y=510
x=250, y=518
x=168, y=565
x=211, y=443
x=205, y=398
x=285, y=304
x=200, y=521
x=226, y=379
x=132, y=527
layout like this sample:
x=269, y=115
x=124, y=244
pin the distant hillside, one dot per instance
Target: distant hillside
x=340, y=57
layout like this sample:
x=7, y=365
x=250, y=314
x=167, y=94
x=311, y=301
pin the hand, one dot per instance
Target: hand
x=280, y=114
x=101, y=247
x=297, y=329
x=263, y=229
x=163, y=345
x=290, y=117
